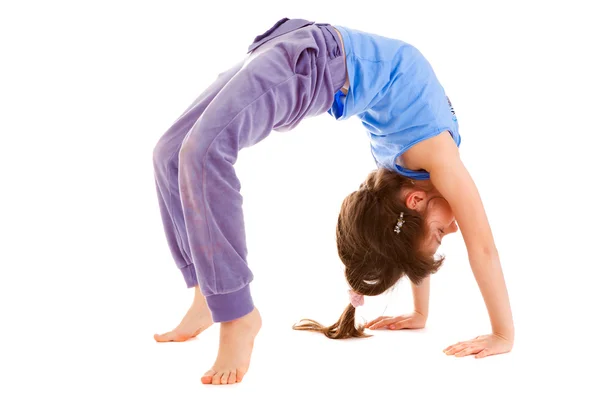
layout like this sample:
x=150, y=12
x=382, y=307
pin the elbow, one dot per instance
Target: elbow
x=487, y=252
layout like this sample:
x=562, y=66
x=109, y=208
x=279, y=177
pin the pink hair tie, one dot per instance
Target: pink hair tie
x=356, y=299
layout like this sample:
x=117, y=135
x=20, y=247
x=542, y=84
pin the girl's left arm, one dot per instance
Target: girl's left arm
x=453, y=181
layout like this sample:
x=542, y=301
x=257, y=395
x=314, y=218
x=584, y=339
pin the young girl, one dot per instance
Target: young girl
x=391, y=227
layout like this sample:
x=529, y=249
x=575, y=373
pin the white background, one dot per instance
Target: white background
x=87, y=89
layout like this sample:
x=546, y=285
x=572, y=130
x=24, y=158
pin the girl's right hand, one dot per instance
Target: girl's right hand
x=414, y=320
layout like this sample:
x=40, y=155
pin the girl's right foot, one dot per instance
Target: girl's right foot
x=197, y=320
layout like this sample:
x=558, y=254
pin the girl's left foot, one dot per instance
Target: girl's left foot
x=235, y=348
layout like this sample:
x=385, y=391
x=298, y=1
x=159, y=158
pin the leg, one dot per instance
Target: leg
x=274, y=91
x=166, y=166
x=269, y=93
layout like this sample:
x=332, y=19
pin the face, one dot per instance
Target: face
x=440, y=222
x=439, y=218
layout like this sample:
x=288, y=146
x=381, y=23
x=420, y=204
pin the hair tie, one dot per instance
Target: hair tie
x=356, y=299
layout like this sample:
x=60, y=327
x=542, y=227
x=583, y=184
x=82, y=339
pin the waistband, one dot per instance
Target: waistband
x=337, y=63
x=286, y=25
x=332, y=40
x=333, y=44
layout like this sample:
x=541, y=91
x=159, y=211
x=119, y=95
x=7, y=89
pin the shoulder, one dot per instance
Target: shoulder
x=438, y=149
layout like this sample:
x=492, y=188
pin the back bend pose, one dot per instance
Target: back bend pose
x=389, y=228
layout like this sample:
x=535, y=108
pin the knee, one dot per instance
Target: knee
x=189, y=150
x=205, y=143
x=191, y=164
x=165, y=152
x=201, y=156
x=198, y=144
x=159, y=154
x=191, y=153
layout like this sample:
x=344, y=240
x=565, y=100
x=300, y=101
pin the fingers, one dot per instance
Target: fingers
x=472, y=341
x=388, y=321
x=451, y=346
x=481, y=346
x=452, y=350
x=470, y=349
x=484, y=353
x=369, y=324
x=477, y=339
x=462, y=349
x=400, y=325
x=380, y=322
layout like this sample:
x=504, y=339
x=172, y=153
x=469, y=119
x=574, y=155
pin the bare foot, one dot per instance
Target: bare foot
x=235, y=348
x=197, y=319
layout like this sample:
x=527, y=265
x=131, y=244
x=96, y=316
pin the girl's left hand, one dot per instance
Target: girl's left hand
x=481, y=346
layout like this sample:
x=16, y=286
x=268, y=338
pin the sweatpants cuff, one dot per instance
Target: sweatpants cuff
x=189, y=275
x=230, y=306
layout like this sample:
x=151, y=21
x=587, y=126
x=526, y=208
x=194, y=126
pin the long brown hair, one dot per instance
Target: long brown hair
x=375, y=257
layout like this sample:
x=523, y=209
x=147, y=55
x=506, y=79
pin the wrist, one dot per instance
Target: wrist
x=506, y=334
x=421, y=313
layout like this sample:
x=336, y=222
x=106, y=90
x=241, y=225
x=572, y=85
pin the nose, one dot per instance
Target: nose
x=453, y=227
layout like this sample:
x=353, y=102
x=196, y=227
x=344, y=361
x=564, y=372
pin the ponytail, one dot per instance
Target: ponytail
x=344, y=328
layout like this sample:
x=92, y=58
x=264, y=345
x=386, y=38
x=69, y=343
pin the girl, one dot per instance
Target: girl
x=389, y=228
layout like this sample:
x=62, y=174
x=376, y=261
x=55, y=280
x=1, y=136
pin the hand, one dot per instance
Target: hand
x=414, y=320
x=481, y=346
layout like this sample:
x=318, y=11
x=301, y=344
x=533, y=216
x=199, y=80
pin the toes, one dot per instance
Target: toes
x=208, y=377
x=220, y=378
x=216, y=379
x=232, y=377
x=239, y=376
x=225, y=378
x=171, y=337
x=165, y=337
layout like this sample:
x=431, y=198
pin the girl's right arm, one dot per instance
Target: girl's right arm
x=415, y=320
x=421, y=297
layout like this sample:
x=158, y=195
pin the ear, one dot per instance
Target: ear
x=415, y=200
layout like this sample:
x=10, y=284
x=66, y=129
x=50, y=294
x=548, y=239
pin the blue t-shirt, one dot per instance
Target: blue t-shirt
x=396, y=95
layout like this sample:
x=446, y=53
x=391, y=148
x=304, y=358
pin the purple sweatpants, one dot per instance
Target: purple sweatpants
x=293, y=72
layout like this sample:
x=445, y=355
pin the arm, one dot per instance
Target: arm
x=421, y=297
x=452, y=180
x=415, y=320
